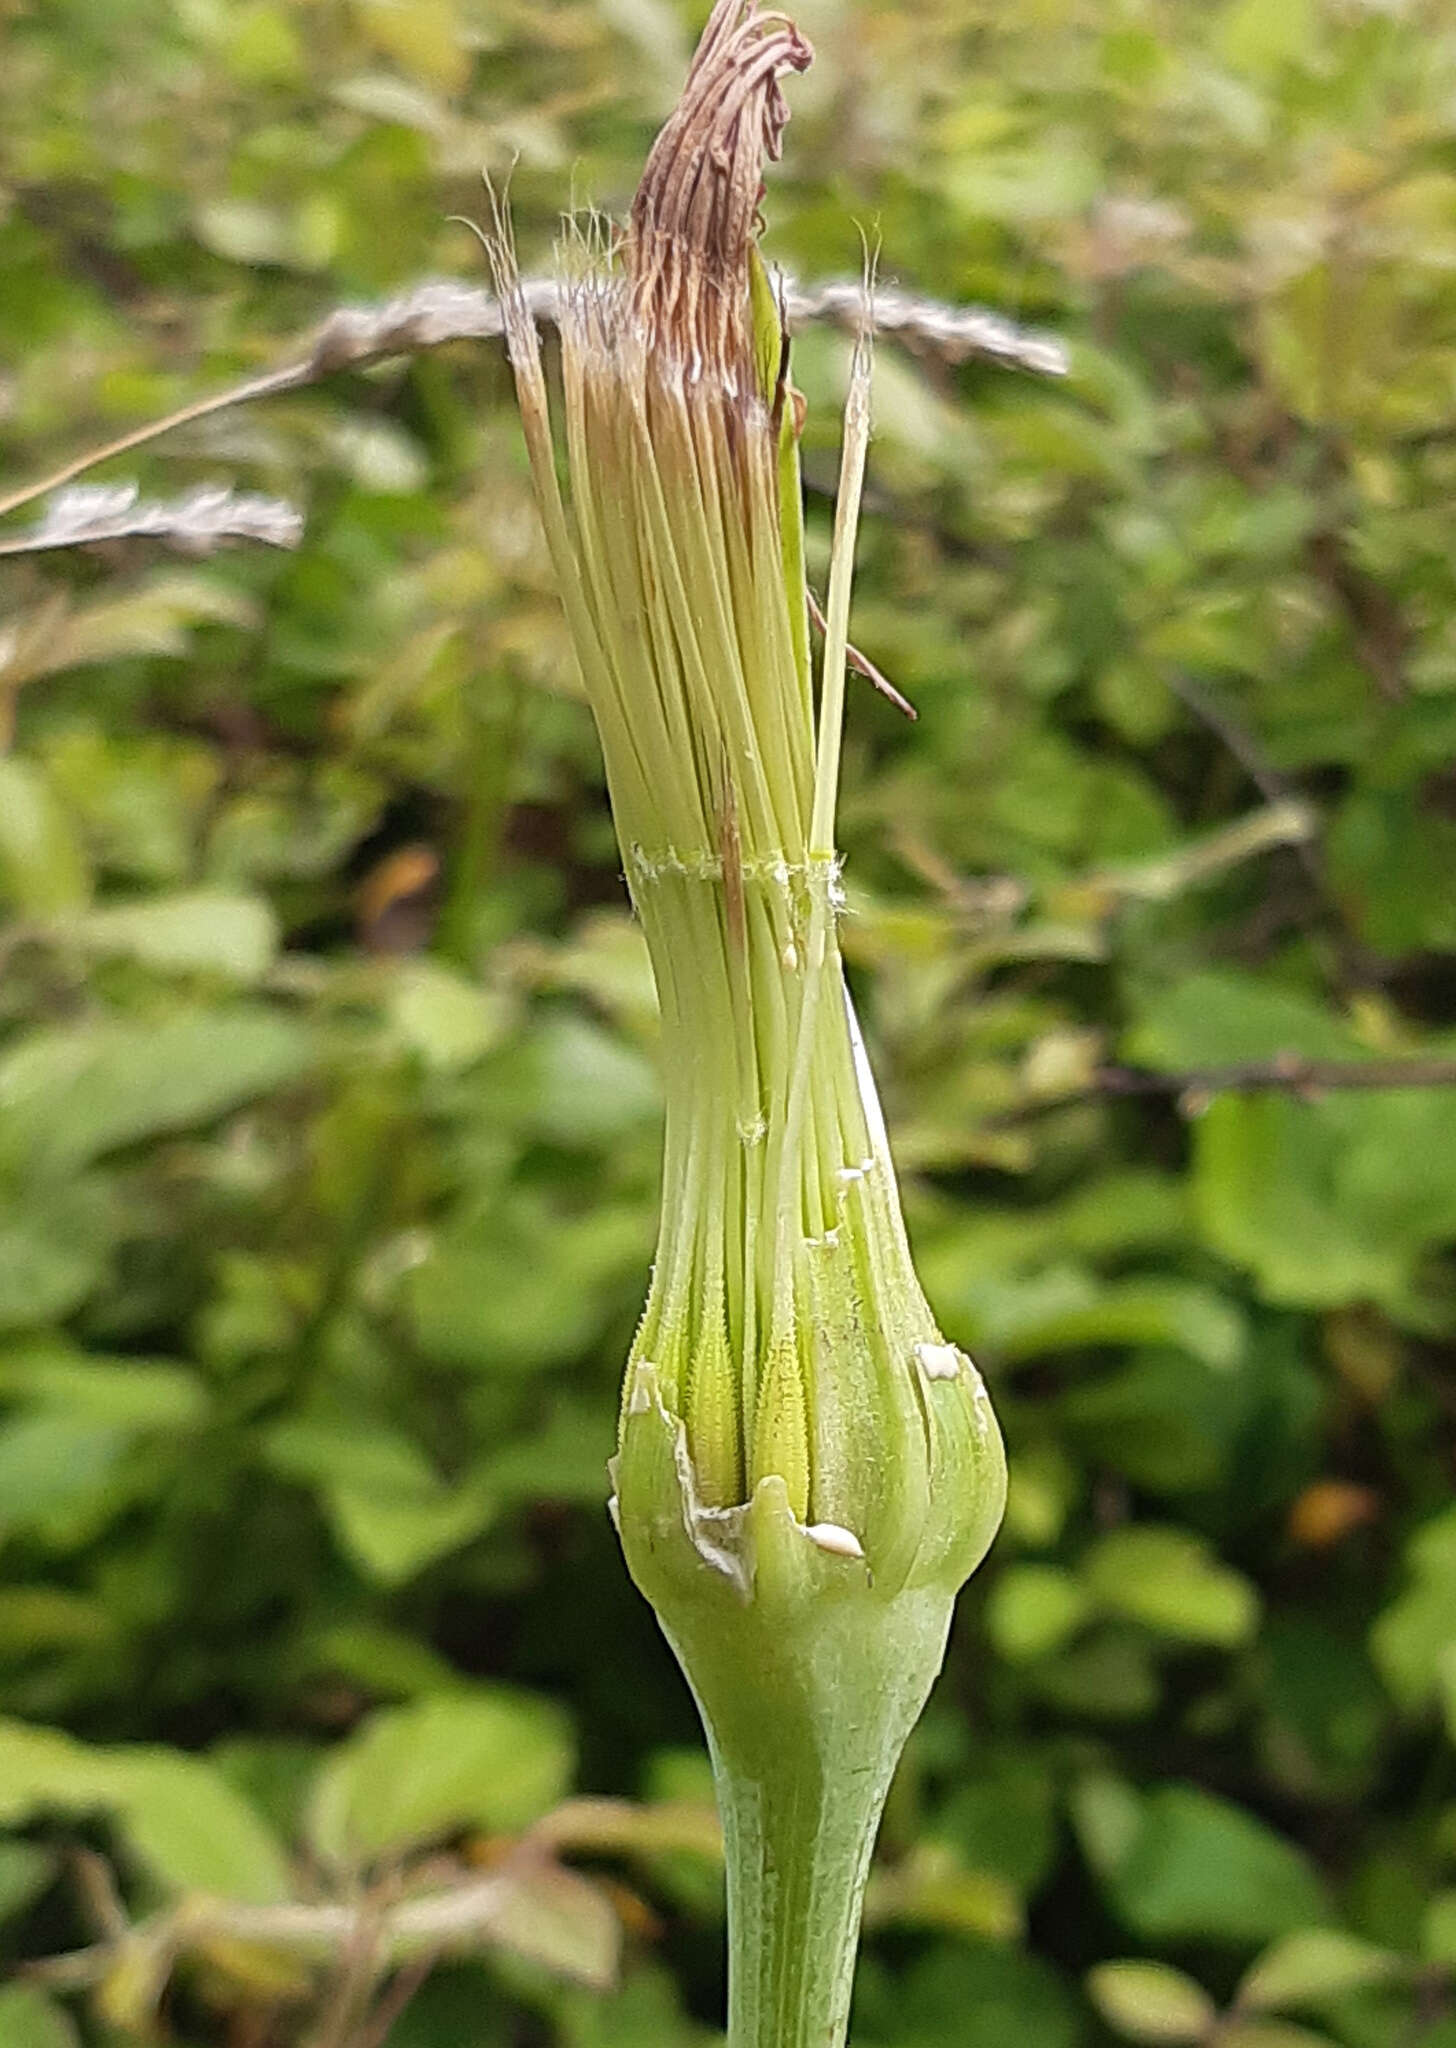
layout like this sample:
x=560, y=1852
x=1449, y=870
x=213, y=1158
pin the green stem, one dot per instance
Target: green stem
x=798, y=1853
x=803, y=1763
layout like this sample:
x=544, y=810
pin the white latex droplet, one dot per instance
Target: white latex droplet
x=939, y=1361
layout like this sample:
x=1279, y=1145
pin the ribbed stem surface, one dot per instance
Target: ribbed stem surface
x=803, y=1760
x=798, y=1852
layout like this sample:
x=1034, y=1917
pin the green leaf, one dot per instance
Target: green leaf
x=646, y=2013
x=607, y=961
x=43, y=867
x=1416, y=1634
x=52, y=1256
x=1065, y=1310
x=523, y=1291
x=1211, y=1019
x=392, y=1511
x=1043, y=1488
x=1393, y=862
x=143, y=801
x=394, y=1537
x=388, y=1663
x=51, y=1463
x=1108, y=1676
x=151, y=618
x=30, y=2018
x=40, y=1618
x=1270, y=2034
x=486, y=1758
x=1199, y=1868
x=585, y=1085
x=1149, y=1311
x=1315, y=1964
x=40, y=1768
x=1026, y=185
x=1109, y=1816
x=1169, y=1579
x=932, y=1888
x=1266, y=1172
x=177, y=1813
x=1151, y=2002
x=1257, y=38
x=26, y=1869
x=69, y=1095
x=1034, y=1609
x=1011, y=1997
x=565, y=1460
x=243, y=231
x=130, y=1393
x=196, y=1833
x=1163, y=1420
x=443, y=1017
x=336, y=1450
x=1326, y=1201
x=205, y=932
x=263, y=46
x=1004, y=1820
x=1438, y=1931
x=63, y=1449
x=1328, y=1715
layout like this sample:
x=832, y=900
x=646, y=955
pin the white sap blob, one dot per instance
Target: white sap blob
x=938, y=1361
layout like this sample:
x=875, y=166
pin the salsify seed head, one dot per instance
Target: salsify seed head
x=786, y=1343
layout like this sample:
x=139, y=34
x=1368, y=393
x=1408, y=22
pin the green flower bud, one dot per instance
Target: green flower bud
x=807, y=1470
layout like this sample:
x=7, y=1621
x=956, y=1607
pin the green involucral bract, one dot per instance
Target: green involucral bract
x=807, y=1470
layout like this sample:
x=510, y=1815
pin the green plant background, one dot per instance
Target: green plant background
x=328, y=1111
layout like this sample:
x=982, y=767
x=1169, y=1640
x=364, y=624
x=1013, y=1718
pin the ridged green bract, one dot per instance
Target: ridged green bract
x=809, y=1671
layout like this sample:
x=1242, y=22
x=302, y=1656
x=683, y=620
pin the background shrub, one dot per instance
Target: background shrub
x=328, y=1113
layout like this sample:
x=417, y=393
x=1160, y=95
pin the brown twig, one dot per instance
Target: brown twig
x=1286, y=1073
x=380, y=2024
x=861, y=663
x=100, y=1899
x=1192, y=1089
x=1265, y=777
x=360, y=1963
x=471, y=1913
x=1380, y=634
x=1356, y=964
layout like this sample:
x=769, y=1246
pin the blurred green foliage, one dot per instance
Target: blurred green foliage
x=328, y=1115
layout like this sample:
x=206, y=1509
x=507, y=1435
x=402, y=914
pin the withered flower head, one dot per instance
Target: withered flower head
x=785, y=1331
x=807, y=1470
x=695, y=216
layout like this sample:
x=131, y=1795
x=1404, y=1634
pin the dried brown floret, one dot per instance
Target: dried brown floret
x=696, y=211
